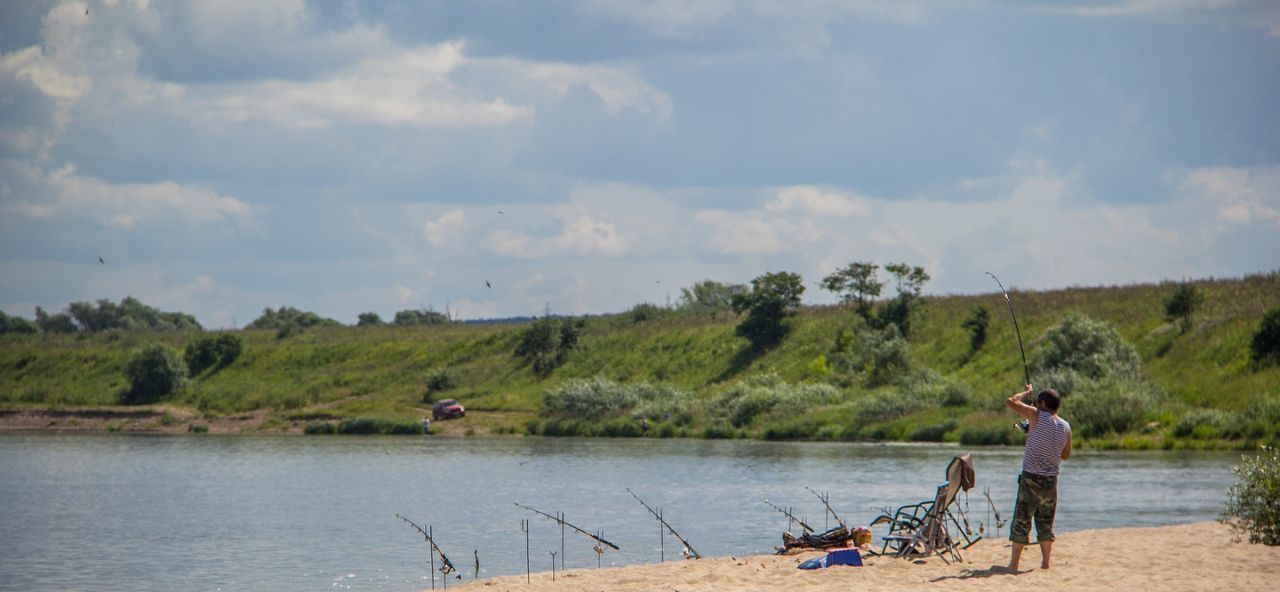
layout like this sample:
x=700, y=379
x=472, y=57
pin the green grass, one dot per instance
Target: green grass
x=382, y=373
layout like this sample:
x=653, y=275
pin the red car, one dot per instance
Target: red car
x=447, y=409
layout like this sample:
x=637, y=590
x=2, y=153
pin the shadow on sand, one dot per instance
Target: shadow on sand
x=969, y=574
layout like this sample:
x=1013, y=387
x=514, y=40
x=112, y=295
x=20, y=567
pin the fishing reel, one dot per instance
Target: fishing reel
x=1023, y=425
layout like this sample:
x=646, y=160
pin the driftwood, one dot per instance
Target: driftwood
x=836, y=537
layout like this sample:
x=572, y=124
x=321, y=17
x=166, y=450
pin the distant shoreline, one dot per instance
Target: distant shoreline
x=1190, y=557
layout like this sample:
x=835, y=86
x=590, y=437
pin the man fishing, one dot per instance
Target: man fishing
x=1048, y=444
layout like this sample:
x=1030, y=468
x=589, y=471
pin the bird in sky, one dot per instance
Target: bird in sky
x=101, y=261
x=499, y=211
x=486, y=284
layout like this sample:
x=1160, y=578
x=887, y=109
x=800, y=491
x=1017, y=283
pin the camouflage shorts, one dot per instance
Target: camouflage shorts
x=1038, y=499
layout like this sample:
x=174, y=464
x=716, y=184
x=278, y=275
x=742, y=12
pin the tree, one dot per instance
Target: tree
x=546, y=343
x=708, y=296
x=153, y=373
x=213, y=352
x=1266, y=341
x=421, y=316
x=1253, y=503
x=909, y=281
x=773, y=298
x=369, y=319
x=288, y=318
x=1184, y=301
x=856, y=283
x=10, y=324
x=56, y=323
x=977, y=326
x=130, y=315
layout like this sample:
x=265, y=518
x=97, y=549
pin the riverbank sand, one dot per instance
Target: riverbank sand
x=1189, y=557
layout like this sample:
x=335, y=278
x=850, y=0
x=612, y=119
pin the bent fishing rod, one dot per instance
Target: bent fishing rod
x=1026, y=372
x=689, y=548
x=824, y=501
x=446, y=566
x=790, y=516
x=562, y=521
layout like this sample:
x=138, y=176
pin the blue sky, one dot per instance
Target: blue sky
x=355, y=156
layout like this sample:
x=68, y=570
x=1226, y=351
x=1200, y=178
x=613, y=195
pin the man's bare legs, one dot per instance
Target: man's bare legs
x=1017, y=554
x=1046, y=547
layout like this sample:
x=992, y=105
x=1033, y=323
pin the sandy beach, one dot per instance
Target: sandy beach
x=1199, y=556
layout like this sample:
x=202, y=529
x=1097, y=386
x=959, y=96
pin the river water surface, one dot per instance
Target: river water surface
x=130, y=512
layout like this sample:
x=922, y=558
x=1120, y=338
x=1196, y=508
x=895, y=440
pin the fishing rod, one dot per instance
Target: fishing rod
x=828, y=505
x=446, y=566
x=1018, y=332
x=689, y=552
x=790, y=516
x=562, y=521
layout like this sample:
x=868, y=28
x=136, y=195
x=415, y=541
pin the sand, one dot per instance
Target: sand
x=1199, y=556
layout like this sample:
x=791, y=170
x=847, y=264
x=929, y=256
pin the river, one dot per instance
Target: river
x=151, y=512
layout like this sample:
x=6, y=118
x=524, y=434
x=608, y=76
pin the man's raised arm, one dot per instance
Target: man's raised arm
x=1015, y=404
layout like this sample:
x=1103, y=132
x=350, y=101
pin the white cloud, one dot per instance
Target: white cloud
x=1239, y=195
x=819, y=201
x=447, y=226
x=409, y=87
x=64, y=193
x=617, y=88
x=739, y=234
x=579, y=233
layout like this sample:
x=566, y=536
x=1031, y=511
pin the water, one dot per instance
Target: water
x=116, y=511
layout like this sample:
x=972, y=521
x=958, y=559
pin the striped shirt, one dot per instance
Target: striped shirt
x=1045, y=443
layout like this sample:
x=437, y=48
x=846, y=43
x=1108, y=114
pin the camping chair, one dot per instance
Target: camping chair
x=925, y=528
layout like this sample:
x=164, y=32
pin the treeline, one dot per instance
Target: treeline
x=104, y=315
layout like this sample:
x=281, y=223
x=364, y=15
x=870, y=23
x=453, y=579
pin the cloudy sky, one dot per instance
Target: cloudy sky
x=353, y=156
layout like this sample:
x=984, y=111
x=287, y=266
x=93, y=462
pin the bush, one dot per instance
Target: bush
x=885, y=356
x=1100, y=407
x=442, y=379
x=213, y=352
x=758, y=395
x=365, y=425
x=1265, y=345
x=546, y=343
x=1184, y=301
x=198, y=428
x=1253, y=503
x=927, y=385
x=932, y=433
x=10, y=324
x=320, y=427
x=886, y=406
x=153, y=372
x=600, y=398
x=1207, y=423
x=645, y=311
x=991, y=435
x=976, y=324
x=773, y=298
x=1089, y=348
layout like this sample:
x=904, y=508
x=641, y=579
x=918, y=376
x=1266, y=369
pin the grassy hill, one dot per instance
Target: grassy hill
x=1213, y=395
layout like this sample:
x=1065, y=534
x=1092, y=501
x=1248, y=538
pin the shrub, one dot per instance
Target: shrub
x=1089, y=348
x=442, y=379
x=16, y=324
x=198, y=428
x=599, y=398
x=647, y=312
x=1253, y=503
x=932, y=433
x=546, y=343
x=1184, y=301
x=885, y=356
x=1100, y=407
x=364, y=425
x=976, y=324
x=886, y=406
x=927, y=385
x=773, y=298
x=991, y=435
x=1265, y=345
x=1206, y=423
x=212, y=352
x=153, y=372
x=320, y=427
x=758, y=395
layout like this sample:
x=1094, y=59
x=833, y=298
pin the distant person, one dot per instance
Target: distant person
x=644, y=426
x=1048, y=444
